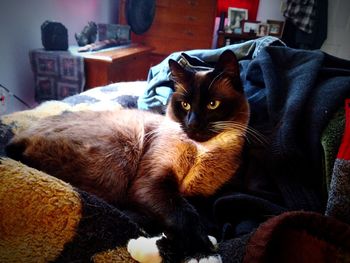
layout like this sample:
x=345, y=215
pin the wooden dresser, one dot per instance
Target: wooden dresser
x=178, y=25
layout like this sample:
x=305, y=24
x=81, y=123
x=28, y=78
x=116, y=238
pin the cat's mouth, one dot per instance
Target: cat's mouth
x=199, y=136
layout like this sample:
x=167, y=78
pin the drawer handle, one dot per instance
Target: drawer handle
x=189, y=33
x=191, y=18
x=192, y=2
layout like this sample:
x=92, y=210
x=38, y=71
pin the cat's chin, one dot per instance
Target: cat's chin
x=199, y=137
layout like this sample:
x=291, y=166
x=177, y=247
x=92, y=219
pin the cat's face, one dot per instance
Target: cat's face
x=205, y=102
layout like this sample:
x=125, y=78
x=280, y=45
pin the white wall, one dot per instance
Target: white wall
x=20, y=23
x=338, y=36
x=270, y=9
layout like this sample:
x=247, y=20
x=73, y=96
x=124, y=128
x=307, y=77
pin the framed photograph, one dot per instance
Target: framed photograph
x=263, y=29
x=275, y=27
x=236, y=16
x=250, y=27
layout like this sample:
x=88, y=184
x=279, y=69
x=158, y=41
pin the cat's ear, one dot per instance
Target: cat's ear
x=228, y=63
x=178, y=73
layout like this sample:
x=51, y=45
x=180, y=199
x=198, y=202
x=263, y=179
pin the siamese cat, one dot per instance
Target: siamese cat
x=150, y=163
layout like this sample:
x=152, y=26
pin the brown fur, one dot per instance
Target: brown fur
x=141, y=159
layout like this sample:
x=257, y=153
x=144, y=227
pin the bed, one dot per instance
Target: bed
x=290, y=201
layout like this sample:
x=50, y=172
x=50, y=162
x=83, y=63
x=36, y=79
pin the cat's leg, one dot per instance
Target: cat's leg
x=209, y=259
x=185, y=235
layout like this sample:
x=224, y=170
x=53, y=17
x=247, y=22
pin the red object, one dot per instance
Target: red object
x=251, y=5
x=344, y=149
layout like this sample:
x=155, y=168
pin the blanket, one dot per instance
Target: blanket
x=294, y=95
x=44, y=219
x=160, y=87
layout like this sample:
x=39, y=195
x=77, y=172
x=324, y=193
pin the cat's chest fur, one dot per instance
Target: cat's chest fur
x=200, y=168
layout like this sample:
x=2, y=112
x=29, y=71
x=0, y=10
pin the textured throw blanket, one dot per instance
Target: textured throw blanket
x=338, y=204
x=295, y=96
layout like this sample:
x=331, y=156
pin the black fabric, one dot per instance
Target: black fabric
x=293, y=94
x=5, y=136
x=101, y=227
x=232, y=251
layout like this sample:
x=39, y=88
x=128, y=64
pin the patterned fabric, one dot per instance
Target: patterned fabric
x=122, y=93
x=338, y=204
x=57, y=74
x=301, y=13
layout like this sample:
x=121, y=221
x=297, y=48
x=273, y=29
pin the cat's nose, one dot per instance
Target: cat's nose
x=193, y=121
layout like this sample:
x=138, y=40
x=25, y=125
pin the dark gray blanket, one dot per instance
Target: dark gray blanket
x=293, y=95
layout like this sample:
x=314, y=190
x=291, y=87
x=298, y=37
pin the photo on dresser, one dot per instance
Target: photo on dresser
x=263, y=30
x=236, y=16
x=275, y=27
x=250, y=27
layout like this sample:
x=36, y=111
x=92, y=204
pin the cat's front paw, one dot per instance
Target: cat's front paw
x=210, y=259
x=144, y=249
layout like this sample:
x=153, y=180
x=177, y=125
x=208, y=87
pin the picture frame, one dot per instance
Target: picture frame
x=263, y=30
x=276, y=27
x=250, y=27
x=235, y=17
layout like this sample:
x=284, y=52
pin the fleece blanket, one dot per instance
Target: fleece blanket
x=294, y=96
x=160, y=86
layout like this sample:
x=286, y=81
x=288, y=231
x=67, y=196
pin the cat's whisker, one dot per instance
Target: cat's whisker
x=217, y=77
x=215, y=130
x=246, y=137
x=257, y=137
x=150, y=135
x=179, y=93
x=180, y=86
x=225, y=125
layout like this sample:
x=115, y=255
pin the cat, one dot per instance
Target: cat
x=148, y=162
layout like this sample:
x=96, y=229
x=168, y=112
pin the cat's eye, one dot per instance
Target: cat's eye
x=213, y=104
x=185, y=105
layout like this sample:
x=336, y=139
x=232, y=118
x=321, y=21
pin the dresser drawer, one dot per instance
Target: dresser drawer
x=182, y=31
x=194, y=5
x=127, y=63
x=167, y=46
x=183, y=16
